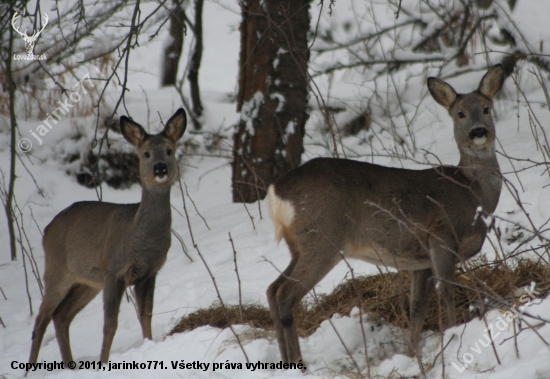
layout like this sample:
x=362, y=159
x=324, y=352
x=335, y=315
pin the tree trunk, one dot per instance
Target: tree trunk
x=172, y=51
x=195, y=65
x=13, y=153
x=272, y=98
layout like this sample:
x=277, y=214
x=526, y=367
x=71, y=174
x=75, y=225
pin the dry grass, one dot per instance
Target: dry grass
x=253, y=314
x=385, y=298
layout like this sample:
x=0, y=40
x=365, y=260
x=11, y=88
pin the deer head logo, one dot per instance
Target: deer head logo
x=29, y=40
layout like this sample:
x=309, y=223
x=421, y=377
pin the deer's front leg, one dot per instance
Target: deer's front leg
x=443, y=256
x=112, y=295
x=421, y=289
x=145, y=290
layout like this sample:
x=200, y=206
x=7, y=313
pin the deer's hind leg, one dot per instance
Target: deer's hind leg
x=56, y=290
x=78, y=297
x=273, y=304
x=313, y=264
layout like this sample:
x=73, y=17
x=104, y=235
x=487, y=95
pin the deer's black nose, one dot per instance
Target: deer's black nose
x=478, y=133
x=160, y=169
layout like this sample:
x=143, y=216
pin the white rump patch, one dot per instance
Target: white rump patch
x=161, y=180
x=281, y=211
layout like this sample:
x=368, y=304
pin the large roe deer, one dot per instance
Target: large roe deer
x=93, y=246
x=422, y=221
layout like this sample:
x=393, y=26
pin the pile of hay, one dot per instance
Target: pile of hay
x=252, y=314
x=385, y=298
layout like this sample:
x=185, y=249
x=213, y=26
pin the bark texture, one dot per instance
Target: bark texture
x=172, y=51
x=273, y=92
x=195, y=65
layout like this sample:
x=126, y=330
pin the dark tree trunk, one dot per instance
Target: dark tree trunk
x=193, y=75
x=8, y=206
x=172, y=51
x=273, y=92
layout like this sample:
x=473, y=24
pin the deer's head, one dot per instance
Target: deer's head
x=158, y=166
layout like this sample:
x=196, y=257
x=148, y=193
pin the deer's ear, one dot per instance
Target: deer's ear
x=492, y=81
x=132, y=132
x=175, y=127
x=442, y=92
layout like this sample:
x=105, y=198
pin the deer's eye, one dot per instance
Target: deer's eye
x=169, y=152
x=147, y=155
x=461, y=115
x=486, y=110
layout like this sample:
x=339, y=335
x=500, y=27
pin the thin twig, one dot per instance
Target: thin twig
x=183, y=247
x=196, y=246
x=492, y=340
x=195, y=206
x=238, y=277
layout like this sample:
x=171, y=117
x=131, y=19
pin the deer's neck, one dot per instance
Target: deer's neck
x=154, y=216
x=481, y=166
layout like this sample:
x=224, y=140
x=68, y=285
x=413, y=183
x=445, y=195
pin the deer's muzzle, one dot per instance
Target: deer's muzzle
x=478, y=133
x=479, y=136
x=161, y=172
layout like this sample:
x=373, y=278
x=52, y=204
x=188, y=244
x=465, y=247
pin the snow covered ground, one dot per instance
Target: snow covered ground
x=184, y=286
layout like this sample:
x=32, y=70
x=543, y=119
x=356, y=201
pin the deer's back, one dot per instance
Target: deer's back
x=380, y=214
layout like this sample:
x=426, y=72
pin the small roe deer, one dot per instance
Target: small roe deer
x=94, y=245
x=423, y=221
